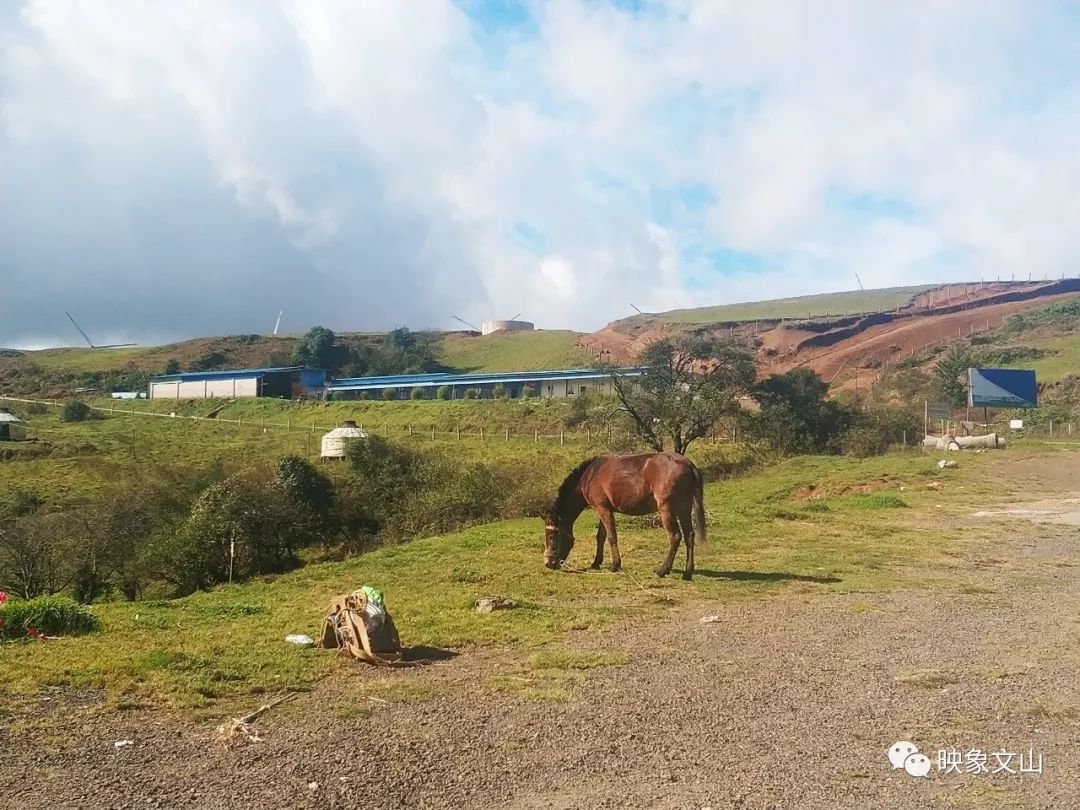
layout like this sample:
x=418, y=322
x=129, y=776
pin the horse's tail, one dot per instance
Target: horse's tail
x=698, y=515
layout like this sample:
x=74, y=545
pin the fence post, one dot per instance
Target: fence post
x=508, y=434
x=536, y=434
x=433, y=433
x=481, y=433
x=410, y=429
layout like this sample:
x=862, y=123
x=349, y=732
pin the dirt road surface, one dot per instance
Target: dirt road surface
x=791, y=702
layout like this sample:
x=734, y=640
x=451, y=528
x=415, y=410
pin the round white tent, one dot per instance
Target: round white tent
x=11, y=427
x=337, y=440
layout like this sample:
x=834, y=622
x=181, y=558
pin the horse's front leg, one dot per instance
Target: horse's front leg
x=607, y=521
x=671, y=526
x=601, y=537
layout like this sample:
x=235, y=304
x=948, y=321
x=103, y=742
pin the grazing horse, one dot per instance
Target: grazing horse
x=638, y=484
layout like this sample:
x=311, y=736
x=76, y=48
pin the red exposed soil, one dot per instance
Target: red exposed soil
x=837, y=349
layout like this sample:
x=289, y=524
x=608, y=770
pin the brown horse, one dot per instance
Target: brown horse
x=639, y=484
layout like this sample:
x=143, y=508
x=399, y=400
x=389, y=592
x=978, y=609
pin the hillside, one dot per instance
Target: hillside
x=803, y=307
x=836, y=334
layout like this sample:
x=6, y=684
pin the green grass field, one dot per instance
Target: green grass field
x=69, y=461
x=802, y=307
x=515, y=351
x=1064, y=360
x=766, y=536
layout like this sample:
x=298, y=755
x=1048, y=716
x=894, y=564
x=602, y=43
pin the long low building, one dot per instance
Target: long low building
x=290, y=382
x=514, y=384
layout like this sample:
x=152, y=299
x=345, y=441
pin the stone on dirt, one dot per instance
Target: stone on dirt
x=489, y=604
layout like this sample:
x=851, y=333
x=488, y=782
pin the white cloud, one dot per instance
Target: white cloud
x=186, y=168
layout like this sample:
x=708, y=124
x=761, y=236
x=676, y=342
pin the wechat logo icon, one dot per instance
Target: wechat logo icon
x=905, y=755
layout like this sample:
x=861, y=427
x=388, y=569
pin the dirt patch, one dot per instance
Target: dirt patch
x=815, y=491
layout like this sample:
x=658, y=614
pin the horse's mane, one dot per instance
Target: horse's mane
x=567, y=487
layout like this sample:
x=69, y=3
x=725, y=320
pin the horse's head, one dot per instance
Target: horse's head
x=558, y=540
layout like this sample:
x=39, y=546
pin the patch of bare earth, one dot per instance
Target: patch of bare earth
x=786, y=703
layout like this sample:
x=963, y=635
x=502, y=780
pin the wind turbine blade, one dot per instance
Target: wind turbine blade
x=459, y=320
x=86, y=337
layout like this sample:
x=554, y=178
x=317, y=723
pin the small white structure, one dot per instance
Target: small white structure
x=487, y=327
x=337, y=440
x=12, y=429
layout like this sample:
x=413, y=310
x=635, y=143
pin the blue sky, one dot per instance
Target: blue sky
x=182, y=171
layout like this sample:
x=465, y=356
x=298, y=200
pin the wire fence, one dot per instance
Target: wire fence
x=504, y=433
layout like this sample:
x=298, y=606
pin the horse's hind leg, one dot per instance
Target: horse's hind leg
x=687, y=526
x=601, y=537
x=671, y=526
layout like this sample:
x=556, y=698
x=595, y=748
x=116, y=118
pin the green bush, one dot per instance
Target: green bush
x=389, y=393
x=75, y=411
x=416, y=393
x=47, y=615
x=252, y=524
x=471, y=393
x=445, y=392
x=1059, y=313
x=878, y=429
x=530, y=391
x=499, y=391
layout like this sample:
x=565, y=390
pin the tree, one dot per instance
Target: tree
x=795, y=416
x=316, y=349
x=688, y=384
x=172, y=366
x=75, y=411
x=949, y=374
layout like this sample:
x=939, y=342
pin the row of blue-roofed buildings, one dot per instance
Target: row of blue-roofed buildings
x=295, y=382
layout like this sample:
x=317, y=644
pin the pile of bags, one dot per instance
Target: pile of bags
x=359, y=625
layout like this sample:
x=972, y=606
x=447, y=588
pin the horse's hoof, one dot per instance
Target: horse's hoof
x=596, y=566
x=687, y=576
x=616, y=569
x=661, y=572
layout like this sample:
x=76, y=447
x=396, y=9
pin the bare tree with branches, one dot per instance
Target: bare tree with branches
x=688, y=384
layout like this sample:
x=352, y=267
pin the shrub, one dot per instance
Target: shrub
x=389, y=393
x=416, y=393
x=445, y=392
x=208, y=361
x=35, y=409
x=530, y=391
x=172, y=366
x=75, y=411
x=579, y=411
x=878, y=429
x=499, y=392
x=47, y=615
x=250, y=523
x=471, y=393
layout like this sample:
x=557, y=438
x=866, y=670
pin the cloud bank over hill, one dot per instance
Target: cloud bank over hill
x=169, y=170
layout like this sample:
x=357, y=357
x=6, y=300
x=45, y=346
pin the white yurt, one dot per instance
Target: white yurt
x=12, y=428
x=337, y=440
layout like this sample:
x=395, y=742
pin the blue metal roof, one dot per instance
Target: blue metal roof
x=194, y=376
x=491, y=378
